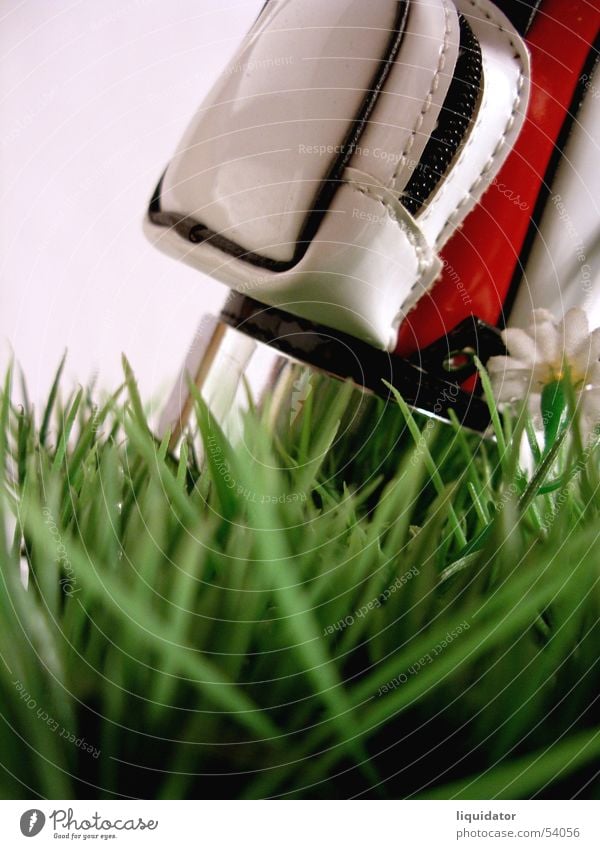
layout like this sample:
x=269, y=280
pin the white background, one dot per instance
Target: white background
x=95, y=96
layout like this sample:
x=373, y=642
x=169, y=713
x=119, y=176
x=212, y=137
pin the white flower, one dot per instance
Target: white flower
x=542, y=355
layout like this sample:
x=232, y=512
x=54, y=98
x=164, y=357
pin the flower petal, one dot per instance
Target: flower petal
x=548, y=343
x=586, y=354
x=511, y=385
x=540, y=316
x=575, y=332
x=593, y=376
x=520, y=344
x=501, y=364
x=537, y=357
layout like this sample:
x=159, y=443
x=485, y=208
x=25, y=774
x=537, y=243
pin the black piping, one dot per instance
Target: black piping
x=197, y=232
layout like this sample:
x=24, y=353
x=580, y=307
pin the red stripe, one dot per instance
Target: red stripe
x=482, y=256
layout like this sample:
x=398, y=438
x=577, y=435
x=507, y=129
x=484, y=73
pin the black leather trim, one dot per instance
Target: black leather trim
x=430, y=389
x=197, y=232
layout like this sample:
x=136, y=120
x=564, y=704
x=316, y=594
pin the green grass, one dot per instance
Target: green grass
x=396, y=611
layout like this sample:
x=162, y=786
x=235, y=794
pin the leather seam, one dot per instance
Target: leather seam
x=428, y=100
x=422, y=264
x=468, y=195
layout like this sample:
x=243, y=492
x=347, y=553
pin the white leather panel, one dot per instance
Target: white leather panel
x=500, y=116
x=252, y=162
x=408, y=109
x=369, y=257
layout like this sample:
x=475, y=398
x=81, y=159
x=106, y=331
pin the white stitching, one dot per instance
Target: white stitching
x=428, y=100
x=425, y=254
x=423, y=264
x=423, y=261
x=474, y=134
